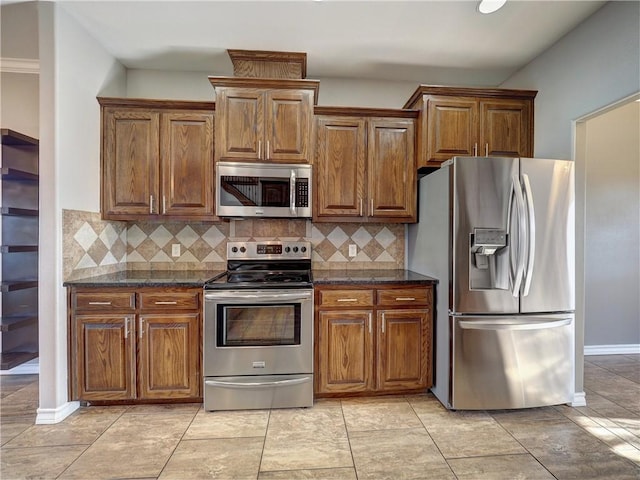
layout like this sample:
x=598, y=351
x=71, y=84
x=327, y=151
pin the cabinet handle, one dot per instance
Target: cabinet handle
x=383, y=323
x=166, y=303
x=370, y=331
x=371, y=210
x=150, y=203
x=268, y=152
x=259, y=149
x=164, y=204
x=140, y=323
x=475, y=149
x=99, y=303
x=347, y=300
x=360, y=206
x=126, y=328
x=400, y=299
x=486, y=149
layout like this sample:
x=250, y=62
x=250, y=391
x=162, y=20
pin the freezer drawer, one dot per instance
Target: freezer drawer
x=511, y=361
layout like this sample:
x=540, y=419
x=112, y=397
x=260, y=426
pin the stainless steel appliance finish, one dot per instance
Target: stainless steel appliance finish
x=258, y=328
x=263, y=190
x=500, y=233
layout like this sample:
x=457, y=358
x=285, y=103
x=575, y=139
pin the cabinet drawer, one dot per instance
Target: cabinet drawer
x=164, y=300
x=104, y=300
x=404, y=296
x=346, y=298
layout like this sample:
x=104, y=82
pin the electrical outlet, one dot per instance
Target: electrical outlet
x=353, y=250
x=175, y=249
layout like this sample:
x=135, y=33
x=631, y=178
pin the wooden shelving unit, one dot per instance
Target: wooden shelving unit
x=19, y=249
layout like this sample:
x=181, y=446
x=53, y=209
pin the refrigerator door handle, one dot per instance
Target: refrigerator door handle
x=494, y=325
x=531, y=234
x=519, y=196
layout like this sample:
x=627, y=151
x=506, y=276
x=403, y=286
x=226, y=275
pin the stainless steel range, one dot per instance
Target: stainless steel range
x=258, y=328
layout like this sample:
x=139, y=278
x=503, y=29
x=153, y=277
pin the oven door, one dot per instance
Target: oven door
x=258, y=332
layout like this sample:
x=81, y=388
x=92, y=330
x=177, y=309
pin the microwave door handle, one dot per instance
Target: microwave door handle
x=292, y=192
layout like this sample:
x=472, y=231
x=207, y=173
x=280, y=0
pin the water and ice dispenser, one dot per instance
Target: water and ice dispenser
x=488, y=260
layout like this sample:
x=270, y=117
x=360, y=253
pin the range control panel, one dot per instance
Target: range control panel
x=269, y=250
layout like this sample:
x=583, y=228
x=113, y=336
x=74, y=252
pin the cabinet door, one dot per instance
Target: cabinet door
x=130, y=162
x=169, y=362
x=404, y=349
x=340, y=167
x=452, y=125
x=187, y=163
x=505, y=128
x=345, y=351
x=287, y=127
x=391, y=169
x=105, y=351
x=240, y=124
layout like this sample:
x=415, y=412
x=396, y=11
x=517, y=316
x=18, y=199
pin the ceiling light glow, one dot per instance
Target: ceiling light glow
x=490, y=6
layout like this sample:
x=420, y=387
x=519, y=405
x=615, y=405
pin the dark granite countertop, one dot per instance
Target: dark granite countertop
x=147, y=278
x=373, y=277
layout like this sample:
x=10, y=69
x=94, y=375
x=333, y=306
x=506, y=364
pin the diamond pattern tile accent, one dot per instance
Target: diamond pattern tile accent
x=94, y=246
x=337, y=237
x=85, y=236
x=161, y=236
x=187, y=236
x=361, y=237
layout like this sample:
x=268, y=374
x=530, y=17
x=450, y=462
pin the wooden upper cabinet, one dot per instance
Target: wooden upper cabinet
x=340, y=166
x=187, y=163
x=460, y=121
x=365, y=165
x=264, y=120
x=392, y=169
x=157, y=159
x=130, y=161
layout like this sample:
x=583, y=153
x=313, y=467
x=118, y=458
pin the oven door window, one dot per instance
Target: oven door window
x=258, y=325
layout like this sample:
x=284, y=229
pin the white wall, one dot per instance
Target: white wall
x=612, y=227
x=595, y=65
x=74, y=70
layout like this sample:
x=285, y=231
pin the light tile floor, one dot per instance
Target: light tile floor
x=410, y=437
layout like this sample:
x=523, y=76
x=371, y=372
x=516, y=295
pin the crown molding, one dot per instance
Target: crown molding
x=19, y=65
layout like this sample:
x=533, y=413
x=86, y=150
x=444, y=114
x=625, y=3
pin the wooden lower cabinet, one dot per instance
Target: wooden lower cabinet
x=384, y=347
x=135, y=344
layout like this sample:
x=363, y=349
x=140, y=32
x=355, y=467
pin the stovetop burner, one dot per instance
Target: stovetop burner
x=270, y=264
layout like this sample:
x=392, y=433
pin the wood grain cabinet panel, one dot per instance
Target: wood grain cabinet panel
x=264, y=120
x=461, y=121
x=157, y=159
x=169, y=352
x=105, y=357
x=144, y=349
x=346, y=352
x=385, y=347
x=365, y=166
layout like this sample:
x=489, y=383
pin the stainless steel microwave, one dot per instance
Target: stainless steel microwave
x=263, y=190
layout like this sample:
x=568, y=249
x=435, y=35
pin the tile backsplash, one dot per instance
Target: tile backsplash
x=93, y=246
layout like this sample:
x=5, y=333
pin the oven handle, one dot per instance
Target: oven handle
x=276, y=383
x=239, y=297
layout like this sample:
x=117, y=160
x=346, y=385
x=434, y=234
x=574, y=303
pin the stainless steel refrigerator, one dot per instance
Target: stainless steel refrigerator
x=498, y=233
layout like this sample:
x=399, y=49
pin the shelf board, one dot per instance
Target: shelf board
x=13, y=322
x=9, y=173
x=19, y=212
x=11, y=137
x=13, y=359
x=12, y=286
x=18, y=248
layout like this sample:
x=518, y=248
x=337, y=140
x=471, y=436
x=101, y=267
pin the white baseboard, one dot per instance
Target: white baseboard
x=579, y=400
x=611, y=349
x=47, y=416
